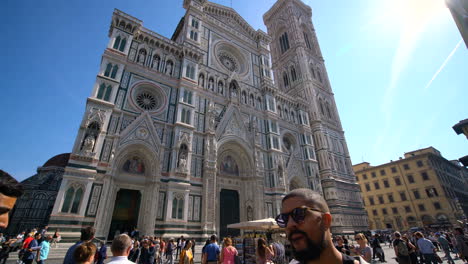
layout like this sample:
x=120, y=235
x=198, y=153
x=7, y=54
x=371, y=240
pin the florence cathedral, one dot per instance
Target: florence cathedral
x=213, y=126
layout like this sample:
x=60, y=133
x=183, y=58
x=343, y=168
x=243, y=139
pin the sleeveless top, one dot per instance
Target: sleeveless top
x=228, y=255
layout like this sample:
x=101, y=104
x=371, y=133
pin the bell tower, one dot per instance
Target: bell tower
x=300, y=72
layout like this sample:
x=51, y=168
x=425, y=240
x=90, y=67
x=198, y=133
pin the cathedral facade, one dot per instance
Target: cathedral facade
x=184, y=136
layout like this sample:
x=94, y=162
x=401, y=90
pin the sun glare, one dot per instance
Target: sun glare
x=415, y=13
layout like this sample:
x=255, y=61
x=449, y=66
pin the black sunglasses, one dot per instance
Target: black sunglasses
x=297, y=214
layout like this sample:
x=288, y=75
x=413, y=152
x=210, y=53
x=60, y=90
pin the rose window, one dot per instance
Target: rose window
x=146, y=101
x=228, y=62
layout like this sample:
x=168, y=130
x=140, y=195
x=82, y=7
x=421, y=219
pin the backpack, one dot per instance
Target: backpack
x=402, y=248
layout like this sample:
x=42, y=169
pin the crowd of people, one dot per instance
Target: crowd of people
x=305, y=217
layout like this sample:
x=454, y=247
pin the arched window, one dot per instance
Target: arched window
x=68, y=199
x=286, y=113
x=319, y=75
x=259, y=103
x=279, y=111
x=122, y=44
x=244, y=97
x=284, y=42
x=185, y=116
x=252, y=100
x=114, y=71
x=156, y=61
x=178, y=207
x=285, y=79
x=321, y=107
x=104, y=92
x=169, y=67
x=201, y=80
x=141, y=56
x=293, y=74
x=72, y=200
x=327, y=105
x=108, y=70
x=293, y=117
x=313, y=71
x=117, y=42
x=76, y=201
x=220, y=87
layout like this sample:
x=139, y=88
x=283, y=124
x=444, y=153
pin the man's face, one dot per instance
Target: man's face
x=6, y=205
x=306, y=237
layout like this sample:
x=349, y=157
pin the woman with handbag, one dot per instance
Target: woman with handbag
x=228, y=253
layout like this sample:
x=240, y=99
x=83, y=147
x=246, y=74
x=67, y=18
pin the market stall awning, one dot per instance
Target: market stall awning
x=261, y=224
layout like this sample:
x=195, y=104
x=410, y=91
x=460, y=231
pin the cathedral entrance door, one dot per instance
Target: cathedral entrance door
x=125, y=215
x=229, y=212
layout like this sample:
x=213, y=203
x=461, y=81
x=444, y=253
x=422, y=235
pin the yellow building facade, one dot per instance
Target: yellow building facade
x=422, y=189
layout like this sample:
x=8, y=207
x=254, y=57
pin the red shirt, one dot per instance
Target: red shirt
x=27, y=241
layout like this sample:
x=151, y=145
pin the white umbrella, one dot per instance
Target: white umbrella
x=261, y=224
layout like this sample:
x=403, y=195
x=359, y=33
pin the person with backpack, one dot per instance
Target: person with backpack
x=426, y=248
x=401, y=249
x=462, y=243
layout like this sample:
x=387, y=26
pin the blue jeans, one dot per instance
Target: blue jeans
x=40, y=262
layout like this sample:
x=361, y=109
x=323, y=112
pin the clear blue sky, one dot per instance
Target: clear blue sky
x=381, y=56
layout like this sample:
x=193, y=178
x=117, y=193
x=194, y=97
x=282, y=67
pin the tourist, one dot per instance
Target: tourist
x=32, y=249
x=56, y=238
x=411, y=248
x=121, y=247
x=170, y=251
x=44, y=251
x=10, y=190
x=135, y=252
x=401, y=249
x=186, y=255
x=377, y=249
x=179, y=245
x=264, y=252
x=462, y=243
x=101, y=254
x=362, y=249
x=307, y=221
x=147, y=253
x=444, y=244
x=228, y=253
x=341, y=246
x=211, y=252
x=84, y=253
x=426, y=248
x=87, y=235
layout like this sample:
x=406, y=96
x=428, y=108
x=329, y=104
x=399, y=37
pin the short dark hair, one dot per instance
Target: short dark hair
x=312, y=198
x=87, y=233
x=9, y=186
x=84, y=252
x=459, y=229
x=214, y=238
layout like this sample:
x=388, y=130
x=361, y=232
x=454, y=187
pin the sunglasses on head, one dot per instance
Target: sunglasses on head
x=297, y=214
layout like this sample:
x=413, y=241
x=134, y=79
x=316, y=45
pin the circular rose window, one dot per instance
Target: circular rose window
x=228, y=61
x=231, y=58
x=148, y=97
x=146, y=101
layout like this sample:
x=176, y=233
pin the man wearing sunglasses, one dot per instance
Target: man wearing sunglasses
x=307, y=220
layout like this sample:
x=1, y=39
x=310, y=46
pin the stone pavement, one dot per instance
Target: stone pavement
x=56, y=255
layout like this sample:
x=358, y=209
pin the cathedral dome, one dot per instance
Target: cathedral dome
x=60, y=160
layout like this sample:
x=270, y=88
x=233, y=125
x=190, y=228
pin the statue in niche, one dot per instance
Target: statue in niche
x=141, y=56
x=211, y=84
x=244, y=99
x=201, y=80
x=134, y=165
x=249, y=213
x=182, y=161
x=220, y=87
x=88, y=144
x=280, y=173
x=156, y=62
x=169, y=67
